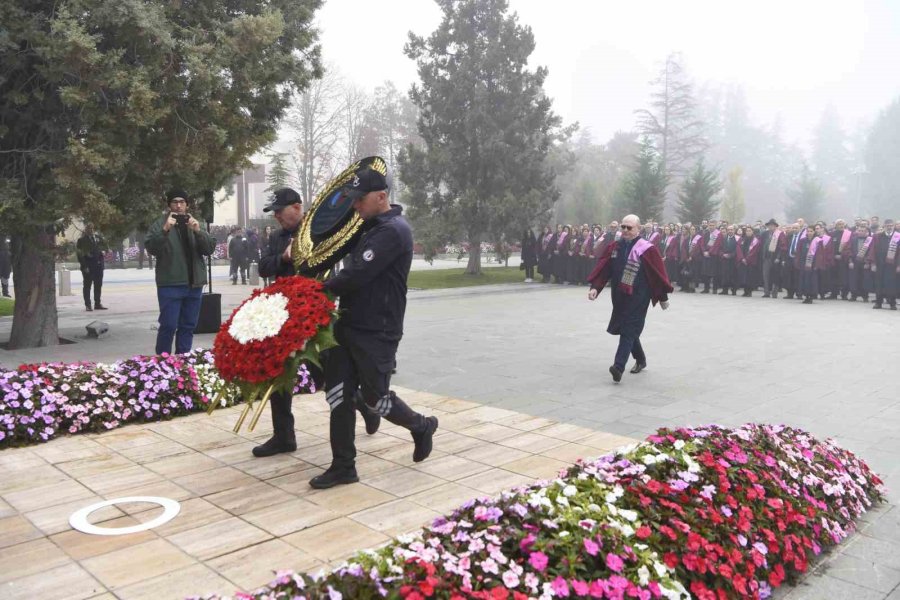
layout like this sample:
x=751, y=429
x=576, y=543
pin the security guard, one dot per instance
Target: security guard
x=372, y=291
x=276, y=262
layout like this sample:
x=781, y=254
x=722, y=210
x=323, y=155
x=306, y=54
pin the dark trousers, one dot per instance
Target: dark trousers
x=282, y=417
x=141, y=258
x=629, y=345
x=179, y=309
x=92, y=276
x=238, y=265
x=770, y=276
x=529, y=271
x=360, y=368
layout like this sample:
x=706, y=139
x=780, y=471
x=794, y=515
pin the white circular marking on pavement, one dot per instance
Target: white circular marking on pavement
x=79, y=519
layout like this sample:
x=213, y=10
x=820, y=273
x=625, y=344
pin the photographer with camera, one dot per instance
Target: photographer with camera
x=179, y=245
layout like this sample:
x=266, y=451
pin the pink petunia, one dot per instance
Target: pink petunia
x=591, y=547
x=614, y=562
x=560, y=587
x=538, y=561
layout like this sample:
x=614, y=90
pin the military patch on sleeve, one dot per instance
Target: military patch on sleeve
x=368, y=255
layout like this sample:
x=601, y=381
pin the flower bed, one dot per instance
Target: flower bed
x=39, y=402
x=708, y=513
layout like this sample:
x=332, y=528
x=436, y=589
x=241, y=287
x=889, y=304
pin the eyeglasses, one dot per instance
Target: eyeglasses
x=627, y=227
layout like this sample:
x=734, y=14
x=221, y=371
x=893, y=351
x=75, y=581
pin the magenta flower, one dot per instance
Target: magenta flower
x=614, y=562
x=538, y=560
x=560, y=587
x=591, y=547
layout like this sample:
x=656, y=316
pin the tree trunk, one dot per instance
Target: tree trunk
x=34, y=318
x=474, y=266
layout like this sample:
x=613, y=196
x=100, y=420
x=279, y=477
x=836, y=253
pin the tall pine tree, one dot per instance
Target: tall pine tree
x=697, y=198
x=278, y=175
x=733, y=208
x=644, y=190
x=806, y=198
x=880, y=186
x=487, y=128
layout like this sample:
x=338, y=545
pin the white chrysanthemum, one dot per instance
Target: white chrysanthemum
x=259, y=318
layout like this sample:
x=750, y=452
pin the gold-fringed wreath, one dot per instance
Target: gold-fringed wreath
x=331, y=226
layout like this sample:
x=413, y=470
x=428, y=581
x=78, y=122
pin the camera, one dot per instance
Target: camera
x=181, y=219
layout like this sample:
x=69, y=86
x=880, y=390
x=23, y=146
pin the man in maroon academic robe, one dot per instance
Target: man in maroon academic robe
x=638, y=277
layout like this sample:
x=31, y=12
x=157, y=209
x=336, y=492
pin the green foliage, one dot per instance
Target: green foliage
x=6, y=307
x=696, y=199
x=104, y=105
x=881, y=185
x=807, y=197
x=454, y=278
x=643, y=191
x=733, y=208
x=278, y=175
x=487, y=128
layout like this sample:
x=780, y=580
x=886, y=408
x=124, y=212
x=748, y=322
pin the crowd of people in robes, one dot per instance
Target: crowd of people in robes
x=805, y=261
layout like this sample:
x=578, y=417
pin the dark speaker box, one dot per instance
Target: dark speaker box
x=210, y=314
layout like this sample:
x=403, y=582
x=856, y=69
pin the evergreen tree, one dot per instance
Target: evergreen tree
x=832, y=163
x=733, y=208
x=806, y=198
x=278, y=175
x=644, y=190
x=487, y=128
x=697, y=197
x=880, y=186
x=104, y=105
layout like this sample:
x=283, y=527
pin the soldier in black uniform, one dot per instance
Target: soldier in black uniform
x=372, y=291
x=276, y=262
x=90, y=247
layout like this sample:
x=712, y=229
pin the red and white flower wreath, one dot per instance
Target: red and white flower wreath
x=261, y=345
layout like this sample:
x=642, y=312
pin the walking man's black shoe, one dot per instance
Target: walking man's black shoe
x=372, y=418
x=638, y=367
x=424, y=439
x=273, y=446
x=100, y=307
x=616, y=373
x=332, y=477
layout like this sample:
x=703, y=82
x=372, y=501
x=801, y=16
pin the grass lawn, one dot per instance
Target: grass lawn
x=6, y=306
x=453, y=278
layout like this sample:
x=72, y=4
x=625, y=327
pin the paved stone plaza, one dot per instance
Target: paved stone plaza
x=530, y=350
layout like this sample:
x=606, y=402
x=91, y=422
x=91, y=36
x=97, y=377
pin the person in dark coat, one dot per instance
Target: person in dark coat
x=238, y=252
x=561, y=255
x=859, y=275
x=529, y=254
x=638, y=277
x=545, y=254
x=90, y=248
x=5, y=264
x=883, y=264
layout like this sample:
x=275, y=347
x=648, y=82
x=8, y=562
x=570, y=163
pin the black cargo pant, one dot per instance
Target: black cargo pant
x=360, y=369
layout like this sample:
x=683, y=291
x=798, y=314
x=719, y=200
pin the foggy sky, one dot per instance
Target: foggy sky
x=792, y=57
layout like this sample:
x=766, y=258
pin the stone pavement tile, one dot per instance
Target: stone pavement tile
x=234, y=453
x=218, y=538
x=565, y=431
x=606, y=441
x=488, y=414
x=16, y=530
x=489, y=432
x=335, y=540
x=369, y=465
x=254, y=496
x=68, y=449
x=136, y=563
x=48, y=495
x=395, y=518
x=54, y=519
x=525, y=422
x=214, y=480
x=454, y=405
x=571, y=452
x=458, y=421
x=121, y=479
x=863, y=572
x=253, y=567
x=16, y=460
x=318, y=455
x=128, y=438
x=85, y=467
x=445, y=498
x=273, y=466
x=69, y=581
x=149, y=453
x=402, y=453
x=208, y=439
x=531, y=442
x=377, y=442
x=6, y=510
x=80, y=545
x=454, y=443
x=824, y=587
x=298, y=483
x=537, y=467
x=492, y=454
x=288, y=517
x=183, y=464
x=494, y=481
x=29, y=558
x=163, y=488
x=450, y=468
x=38, y=476
x=881, y=552
x=349, y=499
x=193, y=580
x=403, y=482
x=194, y=513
